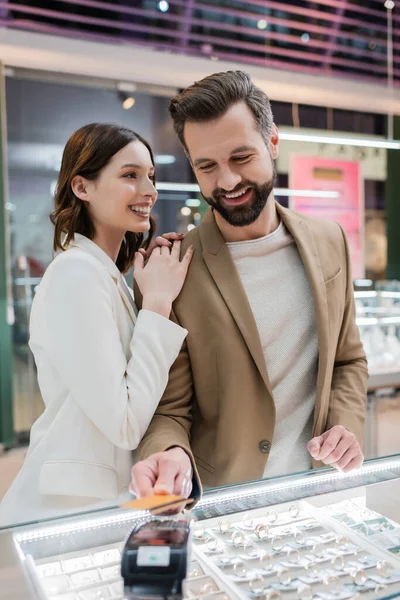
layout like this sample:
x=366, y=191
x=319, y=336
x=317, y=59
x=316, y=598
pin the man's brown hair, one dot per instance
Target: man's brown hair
x=212, y=96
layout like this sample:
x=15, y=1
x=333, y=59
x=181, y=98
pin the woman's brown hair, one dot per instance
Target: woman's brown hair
x=86, y=153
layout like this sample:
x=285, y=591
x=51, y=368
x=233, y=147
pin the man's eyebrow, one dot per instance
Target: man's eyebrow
x=200, y=161
x=243, y=149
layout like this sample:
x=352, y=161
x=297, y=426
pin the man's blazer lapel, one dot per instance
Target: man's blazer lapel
x=222, y=269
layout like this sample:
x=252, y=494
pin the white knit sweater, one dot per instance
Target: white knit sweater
x=276, y=284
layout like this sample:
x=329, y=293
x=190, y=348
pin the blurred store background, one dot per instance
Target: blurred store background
x=332, y=71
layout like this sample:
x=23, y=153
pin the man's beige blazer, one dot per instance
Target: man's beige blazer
x=219, y=404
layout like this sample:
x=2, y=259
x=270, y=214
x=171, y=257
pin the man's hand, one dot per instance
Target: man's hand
x=167, y=472
x=165, y=240
x=338, y=448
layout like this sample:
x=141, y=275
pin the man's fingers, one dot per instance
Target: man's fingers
x=180, y=485
x=352, y=452
x=143, y=478
x=355, y=463
x=331, y=441
x=167, y=472
x=314, y=445
x=341, y=449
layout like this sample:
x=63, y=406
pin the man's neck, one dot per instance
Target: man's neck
x=266, y=223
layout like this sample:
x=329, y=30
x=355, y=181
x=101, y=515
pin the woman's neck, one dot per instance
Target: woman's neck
x=109, y=242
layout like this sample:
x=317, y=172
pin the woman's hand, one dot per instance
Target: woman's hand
x=165, y=240
x=160, y=280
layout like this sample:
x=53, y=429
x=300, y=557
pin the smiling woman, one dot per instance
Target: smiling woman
x=102, y=365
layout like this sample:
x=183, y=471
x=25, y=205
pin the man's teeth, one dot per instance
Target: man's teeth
x=144, y=210
x=237, y=195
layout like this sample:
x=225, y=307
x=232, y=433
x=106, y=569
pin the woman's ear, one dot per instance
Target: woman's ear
x=79, y=186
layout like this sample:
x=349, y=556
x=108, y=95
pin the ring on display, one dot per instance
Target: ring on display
x=284, y=576
x=257, y=584
x=293, y=555
x=212, y=544
x=239, y=568
x=331, y=582
x=238, y=538
x=312, y=570
x=341, y=542
x=262, y=531
x=224, y=525
x=318, y=550
x=272, y=516
x=224, y=555
x=273, y=595
x=207, y=588
x=384, y=569
x=199, y=531
x=294, y=511
x=266, y=561
x=305, y=592
x=337, y=562
x=250, y=549
x=277, y=543
x=299, y=537
x=362, y=556
x=359, y=576
x=195, y=571
x=248, y=522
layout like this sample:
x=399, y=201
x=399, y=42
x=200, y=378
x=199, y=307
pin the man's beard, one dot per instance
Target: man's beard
x=245, y=214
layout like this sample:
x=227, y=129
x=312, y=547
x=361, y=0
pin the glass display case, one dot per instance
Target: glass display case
x=319, y=534
x=378, y=318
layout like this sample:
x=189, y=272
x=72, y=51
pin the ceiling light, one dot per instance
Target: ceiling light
x=389, y=4
x=126, y=86
x=185, y=211
x=163, y=6
x=305, y=38
x=194, y=202
x=262, y=24
x=128, y=102
x=341, y=141
x=193, y=187
x=177, y=187
x=164, y=159
x=306, y=193
x=10, y=206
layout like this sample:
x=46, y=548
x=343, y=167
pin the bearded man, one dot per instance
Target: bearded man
x=272, y=377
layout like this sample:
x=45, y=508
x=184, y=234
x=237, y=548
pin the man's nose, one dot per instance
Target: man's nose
x=228, y=180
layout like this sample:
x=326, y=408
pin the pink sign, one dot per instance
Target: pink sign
x=341, y=199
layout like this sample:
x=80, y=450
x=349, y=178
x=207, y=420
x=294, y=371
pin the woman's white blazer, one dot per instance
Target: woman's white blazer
x=102, y=371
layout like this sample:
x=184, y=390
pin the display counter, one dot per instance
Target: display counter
x=317, y=534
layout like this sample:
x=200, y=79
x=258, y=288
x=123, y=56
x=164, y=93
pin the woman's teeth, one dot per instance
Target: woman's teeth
x=140, y=209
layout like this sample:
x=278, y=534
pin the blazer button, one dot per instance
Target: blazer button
x=265, y=446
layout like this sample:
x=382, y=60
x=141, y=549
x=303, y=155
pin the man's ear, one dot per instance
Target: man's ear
x=274, y=142
x=79, y=186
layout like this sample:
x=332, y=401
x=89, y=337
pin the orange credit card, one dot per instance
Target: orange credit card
x=158, y=503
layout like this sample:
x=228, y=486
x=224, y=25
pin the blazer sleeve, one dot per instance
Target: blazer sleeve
x=347, y=405
x=85, y=348
x=172, y=421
